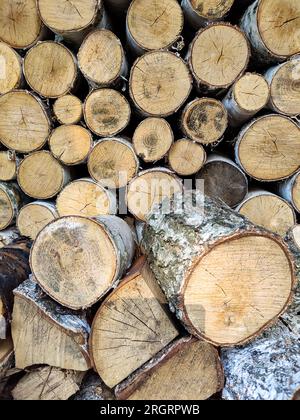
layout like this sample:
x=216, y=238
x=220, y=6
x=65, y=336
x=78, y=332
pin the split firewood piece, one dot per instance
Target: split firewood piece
x=48, y=384
x=6, y=356
x=72, y=20
x=68, y=110
x=204, y=120
x=183, y=246
x=41, y=176
x=153, y=26
x=93, y=389
x=193, y=365
x=46, y=333
x=71, y=144
x=272, y=27
x=87, y=198
x=50, y=69
x=78, y=260
x=186, y=157
x=102, y=60
x=152, y=139
x=222, y=178
x=24, y=123
x=284, y=81
x=268, y=148
x=20, y=24
x=160, y=83
x=199, y=13
x=150, y=188
x=218, y=56
x=33, y=217
x=8, y=236
x=246, y=98
x=8, y=165
x=113, y=162
x=290, y=191
x=269, y=211
x=10, y=203
x=11, y=75
x=131, y=326
x=106, y=112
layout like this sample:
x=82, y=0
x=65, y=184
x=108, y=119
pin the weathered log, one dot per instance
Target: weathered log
x=10, y=203
x=268, y=148
x=50, y=69
x=77, y=260
x=71, y=144
x=204, y=120
x=149, y=188
x=6, y=356
x=8, y=165
x=269, y=211
x=46, y=333
x=24, y=123
x=285, y=87
x=160, y=83
x=218, y=56
x=102, y=60
x=106, y=112
x=8, y=236
x=41, y=176
x=153, y=26
x=152, y=139
x=199, y=13
x=113, y=162
x=93, y=389
x=272, y=28
x=11, y=75
x=47, y=384
x=68, y=110
x=87, y=198
x=247, y=97
x=213, y=300
x=186, y=157
x=33, y=217
x=131, y=326
x=194, y=366
x=223, y=179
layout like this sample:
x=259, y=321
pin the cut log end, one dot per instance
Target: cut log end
x=68, y=110
x=186, y=157
x=251, y=92
x=211, y=9
x=8, y=166
x=295, y=231
x=11, y=78
x=10, y=202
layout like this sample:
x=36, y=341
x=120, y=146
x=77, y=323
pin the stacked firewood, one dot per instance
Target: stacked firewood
x=149, y=195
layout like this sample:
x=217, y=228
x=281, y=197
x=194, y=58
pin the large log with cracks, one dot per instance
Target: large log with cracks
x=199, y=13
x=68, y=109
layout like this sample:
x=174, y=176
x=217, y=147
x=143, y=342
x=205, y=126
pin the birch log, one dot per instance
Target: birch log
x=272, y=27
x=78, y=260
x=10, y=203
x=183, y=245
x=11, y=75
x=136, y=310
x=268, y=148
x=8, y=165
x=290, y=191
x=247, y=97
x=284, y=81
x=186, y=157
x=153, y=25
x=199, y=13
x=68, y=110
x=8, y=236
x=218, y=56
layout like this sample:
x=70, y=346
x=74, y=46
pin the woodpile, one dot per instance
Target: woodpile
x=149, y=199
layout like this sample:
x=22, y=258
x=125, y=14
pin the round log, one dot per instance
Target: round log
x=160, y=83
x=101, y=59
x=150, y=188
x=153, y=26
x=71, y=144
x=152, y=139
x=186, y=157
x=77, y=260
x=10, y=203
x=268, y=148
x=50, y=69
x=199, y=13
x=223, y=179
x=68, y=110
x=269, y=211
x=8, y=165
x=246, y=98
x=33, y=217
x=226, y=279
x=113, y=162
x=106, y=112
x=218, y=56
x=24, y=123
x=41, y=176
x=284, y=81
x=204, y=120
x=290, y=191
x=85, y=197
x=11, y=74
x=272, y=27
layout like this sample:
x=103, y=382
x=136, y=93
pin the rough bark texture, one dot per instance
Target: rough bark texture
x=93, y=389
